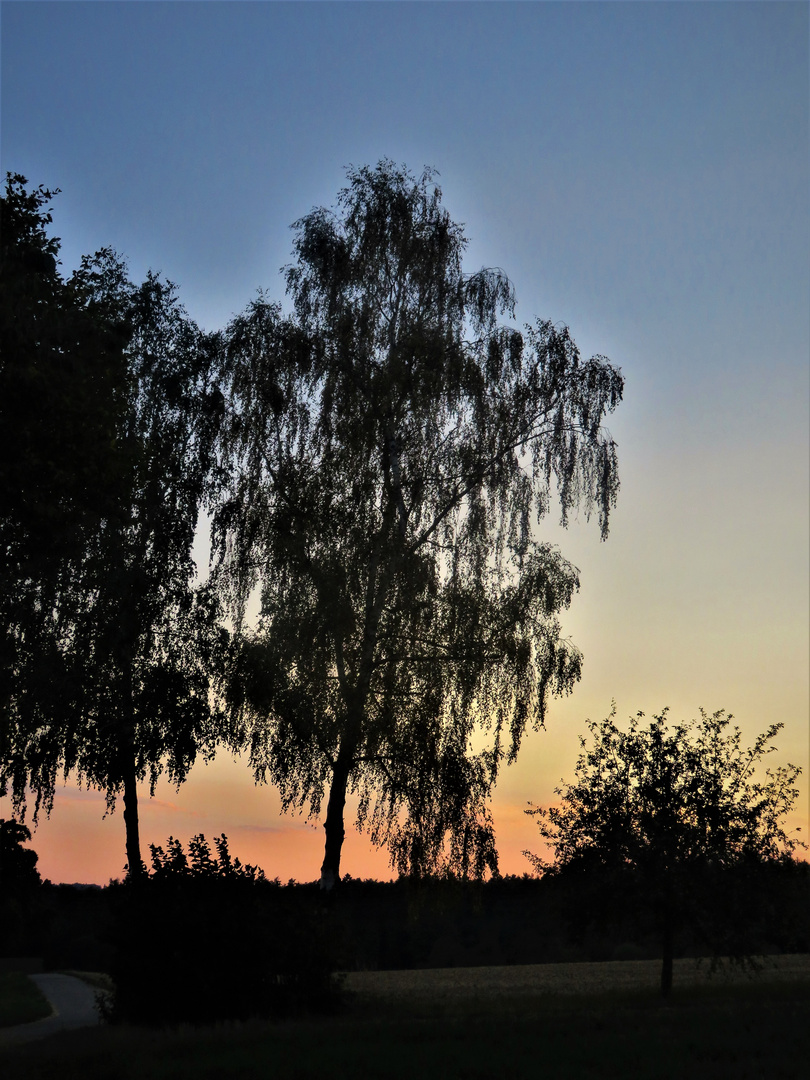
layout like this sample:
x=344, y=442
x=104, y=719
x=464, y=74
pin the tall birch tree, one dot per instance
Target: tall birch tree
x=117, y=687
x=388, y=450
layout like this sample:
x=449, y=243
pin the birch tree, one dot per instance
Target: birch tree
x=131, y=648
x=389, y=448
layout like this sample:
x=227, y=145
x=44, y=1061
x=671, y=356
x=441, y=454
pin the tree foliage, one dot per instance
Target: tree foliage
x=148, y=643
x=678, y=808
x=18, y=864
x=125, y=643
x=62, y=381
x=386, y=451
x=200, y=862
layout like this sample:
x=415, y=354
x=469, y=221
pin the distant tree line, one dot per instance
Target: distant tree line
x=208, y=939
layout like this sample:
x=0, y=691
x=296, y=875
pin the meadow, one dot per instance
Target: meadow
x=557, y=1020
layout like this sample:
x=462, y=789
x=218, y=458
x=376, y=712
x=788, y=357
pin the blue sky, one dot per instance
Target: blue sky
x=641, y=173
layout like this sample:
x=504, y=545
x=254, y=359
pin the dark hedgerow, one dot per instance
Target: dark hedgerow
x=204, y=938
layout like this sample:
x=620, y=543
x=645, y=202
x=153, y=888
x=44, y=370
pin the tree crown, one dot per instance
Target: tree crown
x=657, y=798
x=386, y=449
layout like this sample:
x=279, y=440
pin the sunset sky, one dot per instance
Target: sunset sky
x=641, y=173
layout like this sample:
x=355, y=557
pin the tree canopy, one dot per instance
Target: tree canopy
x=148, y=643
x=675, y=807
x=62, y=383
x=387, y=450
x=109, y=667
x=18, y=864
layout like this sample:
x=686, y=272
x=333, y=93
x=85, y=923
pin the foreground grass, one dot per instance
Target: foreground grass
x=20, y=1000
x=747, y=1029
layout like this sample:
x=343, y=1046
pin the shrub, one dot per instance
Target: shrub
x=204, y=938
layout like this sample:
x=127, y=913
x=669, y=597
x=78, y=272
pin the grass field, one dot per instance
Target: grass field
x=557, y=1021
x=609, y=977
x=20, y=1000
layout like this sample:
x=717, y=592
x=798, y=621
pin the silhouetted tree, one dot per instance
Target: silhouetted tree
x=18, y=864
x=149, y=643
x=132, y=646
x=20, y=908
x=673, y=817
x=62, y=389
x=388, y=448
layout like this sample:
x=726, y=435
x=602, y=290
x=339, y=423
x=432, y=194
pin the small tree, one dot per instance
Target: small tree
x=20, y=881
x=18, y=864
x=678, y=810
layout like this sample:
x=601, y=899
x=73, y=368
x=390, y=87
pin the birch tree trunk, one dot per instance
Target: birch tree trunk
x=333, y=825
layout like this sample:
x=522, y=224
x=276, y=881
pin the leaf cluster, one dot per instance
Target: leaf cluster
x=200, y=862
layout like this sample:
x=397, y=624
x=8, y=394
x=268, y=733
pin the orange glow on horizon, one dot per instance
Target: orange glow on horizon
x=79, y=844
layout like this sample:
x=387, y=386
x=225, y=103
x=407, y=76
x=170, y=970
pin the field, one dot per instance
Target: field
x=556, y=1020
x=634, y=976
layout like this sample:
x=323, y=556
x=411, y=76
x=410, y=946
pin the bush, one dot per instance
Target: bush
x=204, y=939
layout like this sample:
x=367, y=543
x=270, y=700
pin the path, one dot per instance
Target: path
x=74, y=1006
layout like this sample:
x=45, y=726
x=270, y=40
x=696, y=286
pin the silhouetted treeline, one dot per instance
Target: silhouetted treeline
x=526, y=920
x=407, y=923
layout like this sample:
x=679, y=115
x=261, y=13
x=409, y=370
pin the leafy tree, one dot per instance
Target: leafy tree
x=675, y=815
x=20, y=881
x=150, y=642
x=18, y=864
x=385, y=452
x=133, y=646
x=62, y=382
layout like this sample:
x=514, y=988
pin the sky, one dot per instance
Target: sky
x=640, y=171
